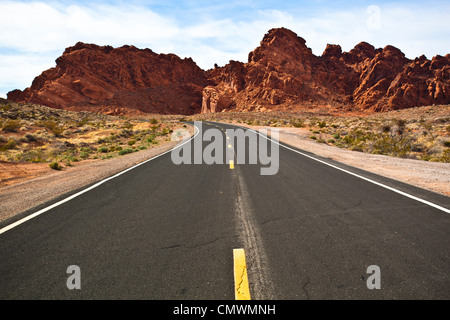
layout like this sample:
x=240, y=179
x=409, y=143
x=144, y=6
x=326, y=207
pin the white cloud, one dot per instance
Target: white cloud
x=18, y=71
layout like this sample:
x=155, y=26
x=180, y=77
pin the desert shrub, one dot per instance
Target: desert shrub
x=6, y=107
x=55, y=165
x=82, y=122
x=86, y=149
x=401, y=123
x=154, y=121
x=131, y=142
x=103, y=149
x=53, y=127
x=125, y=151
x=392, y=145
x=10, y=144
x=34, y=156
x=298, y=123
x=447, y=144
x=445, y=156
x=401, y=126
x=112, y=137
x=125, y=133
x=30, y=137
x=127, y=125
x=84, y=155
x=166, y=131
x=386, y=128
x=11, y=125
x=357, y=137
x=322, y=124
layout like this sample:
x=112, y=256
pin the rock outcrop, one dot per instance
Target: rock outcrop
x=281, y=74
x=113, y=78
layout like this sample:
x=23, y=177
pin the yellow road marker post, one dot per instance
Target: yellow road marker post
x=241, y=288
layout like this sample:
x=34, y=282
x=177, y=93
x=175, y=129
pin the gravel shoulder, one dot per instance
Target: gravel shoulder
x=432, y=176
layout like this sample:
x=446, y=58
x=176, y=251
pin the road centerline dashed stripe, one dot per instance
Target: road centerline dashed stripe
x=241, y=287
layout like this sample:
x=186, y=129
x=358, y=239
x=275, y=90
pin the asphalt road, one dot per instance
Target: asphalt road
x=166, y=231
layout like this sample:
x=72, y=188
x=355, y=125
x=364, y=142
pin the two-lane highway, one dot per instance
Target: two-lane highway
x=167, y=231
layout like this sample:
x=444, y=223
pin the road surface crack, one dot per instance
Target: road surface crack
x=239, y=285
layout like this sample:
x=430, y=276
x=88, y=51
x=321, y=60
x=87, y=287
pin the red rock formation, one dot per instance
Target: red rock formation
x=282, y=73
x=108, y=78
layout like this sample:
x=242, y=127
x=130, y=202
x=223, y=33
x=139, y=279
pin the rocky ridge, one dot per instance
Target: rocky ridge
x=281, y=74
x=109, y=79
x=284, y=74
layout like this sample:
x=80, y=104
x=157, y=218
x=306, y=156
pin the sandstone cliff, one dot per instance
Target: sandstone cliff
x=90, y=75
x=281, y=74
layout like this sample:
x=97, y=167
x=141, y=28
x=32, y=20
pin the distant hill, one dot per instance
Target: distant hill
x=281, y=74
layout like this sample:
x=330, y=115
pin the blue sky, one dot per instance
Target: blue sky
x=34, y=33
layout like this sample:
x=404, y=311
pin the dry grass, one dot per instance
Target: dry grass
x=38, y=134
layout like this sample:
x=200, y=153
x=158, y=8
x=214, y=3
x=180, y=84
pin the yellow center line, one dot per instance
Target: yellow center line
x=241, y=288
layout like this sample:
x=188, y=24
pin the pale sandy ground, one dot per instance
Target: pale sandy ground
x=433, y=176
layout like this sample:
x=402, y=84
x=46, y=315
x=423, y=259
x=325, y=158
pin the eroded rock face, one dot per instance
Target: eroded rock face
x=281, y=74
x=129, y=77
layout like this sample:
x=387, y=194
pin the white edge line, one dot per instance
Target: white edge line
x=353, y=174
x=37, y=213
